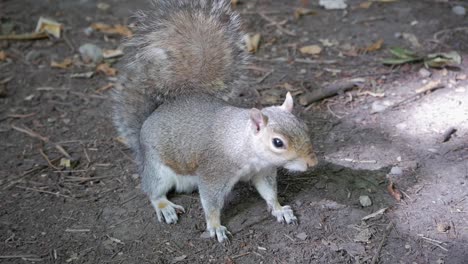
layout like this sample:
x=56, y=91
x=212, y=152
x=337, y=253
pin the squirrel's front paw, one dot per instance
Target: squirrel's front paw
x=221, y=233
x=284, y=214
x=166, y=210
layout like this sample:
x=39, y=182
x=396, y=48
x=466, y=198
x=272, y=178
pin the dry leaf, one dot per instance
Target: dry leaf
x=394, y=191
x=365, y=4
x=62, y=65
x=234, y=3
x=115, y=29
x=252, y=42
x=299, y=12
x=104, y=88
x=49, y=26
x=375, y=46
x=106, y=69
x=2, y=55
x=312, y=50
x=108, y=54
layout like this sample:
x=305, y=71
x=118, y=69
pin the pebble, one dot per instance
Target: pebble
x=365, y=200
x=459, y=10
x=378, y=107
x=423, y=72
x=90, y=53
x=302, y=236
x=397, y=171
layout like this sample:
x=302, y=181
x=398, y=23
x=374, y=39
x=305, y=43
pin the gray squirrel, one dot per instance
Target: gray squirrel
x=184, y=56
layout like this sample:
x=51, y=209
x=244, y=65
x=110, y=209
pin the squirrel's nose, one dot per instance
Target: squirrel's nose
x=311, y=160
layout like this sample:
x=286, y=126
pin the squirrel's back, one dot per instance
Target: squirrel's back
x=179, y=47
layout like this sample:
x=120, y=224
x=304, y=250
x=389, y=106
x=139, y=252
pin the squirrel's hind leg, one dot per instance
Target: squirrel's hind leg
x=157, y=181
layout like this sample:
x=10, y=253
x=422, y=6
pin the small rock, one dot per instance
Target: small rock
x=459, y=10
x=103, y=6
x=397, y=171
x=365, y=200
x=205, y=235
x=302, y=236
x=397, y=35
x=88, y=31
x=407, y=246
x=378, y=107
x=91, y=53
x=333, y=4
x=402, y=126
x=423, y=72
x=303, y=71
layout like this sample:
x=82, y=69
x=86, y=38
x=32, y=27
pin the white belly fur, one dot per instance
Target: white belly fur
x=181, y=183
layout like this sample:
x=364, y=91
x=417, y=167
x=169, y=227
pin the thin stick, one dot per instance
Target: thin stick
x=33, y=134
x=278, y=26
x=27, y=36
x=388, y=229
x=47, y=159
x=42, y=191
x=259, y=81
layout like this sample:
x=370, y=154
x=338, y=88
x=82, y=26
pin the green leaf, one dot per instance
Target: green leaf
x=403, y=53
x=439, y=60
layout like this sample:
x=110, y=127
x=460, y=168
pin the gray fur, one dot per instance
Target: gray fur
x=184, y=56
x=179, y=47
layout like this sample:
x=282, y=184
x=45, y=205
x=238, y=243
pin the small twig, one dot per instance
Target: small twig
x=33, y=134
x=27, y=36
x=77, y=230
x=68, y=42
x=329, y=90
x=240, y=255
x=42, y=191
x=278, y=26
x=261, y=79
x=430, y=86
x=47, y=159
x=333, y=113
x=388, y=229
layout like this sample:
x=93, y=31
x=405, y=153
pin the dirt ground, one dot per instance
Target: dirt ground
x=92, y=210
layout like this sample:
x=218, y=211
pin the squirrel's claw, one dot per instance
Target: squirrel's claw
x=285, y=214
x=167, y=211
x=221, y=234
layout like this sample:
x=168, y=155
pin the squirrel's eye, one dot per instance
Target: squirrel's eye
x=278, y=143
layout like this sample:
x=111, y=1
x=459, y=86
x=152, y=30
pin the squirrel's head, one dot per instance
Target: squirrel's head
x=280, y=138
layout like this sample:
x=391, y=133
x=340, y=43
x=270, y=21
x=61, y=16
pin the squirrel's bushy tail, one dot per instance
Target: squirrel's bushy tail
x=179, y=47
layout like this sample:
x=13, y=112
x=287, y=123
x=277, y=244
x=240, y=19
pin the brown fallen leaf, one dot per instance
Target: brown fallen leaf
x=106, y=69
x=108, y=54
x=252, y=42
x=365, y=4
x=2, y=55
x=374, y=46
x=299, y=12
x=394, y=191
x=66, y=63
x=49, y=26
x=311, y=50
x=115, y=29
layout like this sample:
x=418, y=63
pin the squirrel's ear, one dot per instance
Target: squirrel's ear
x=288, y=104
x=259, y=120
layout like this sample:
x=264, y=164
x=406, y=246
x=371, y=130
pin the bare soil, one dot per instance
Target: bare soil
x=94, y=211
